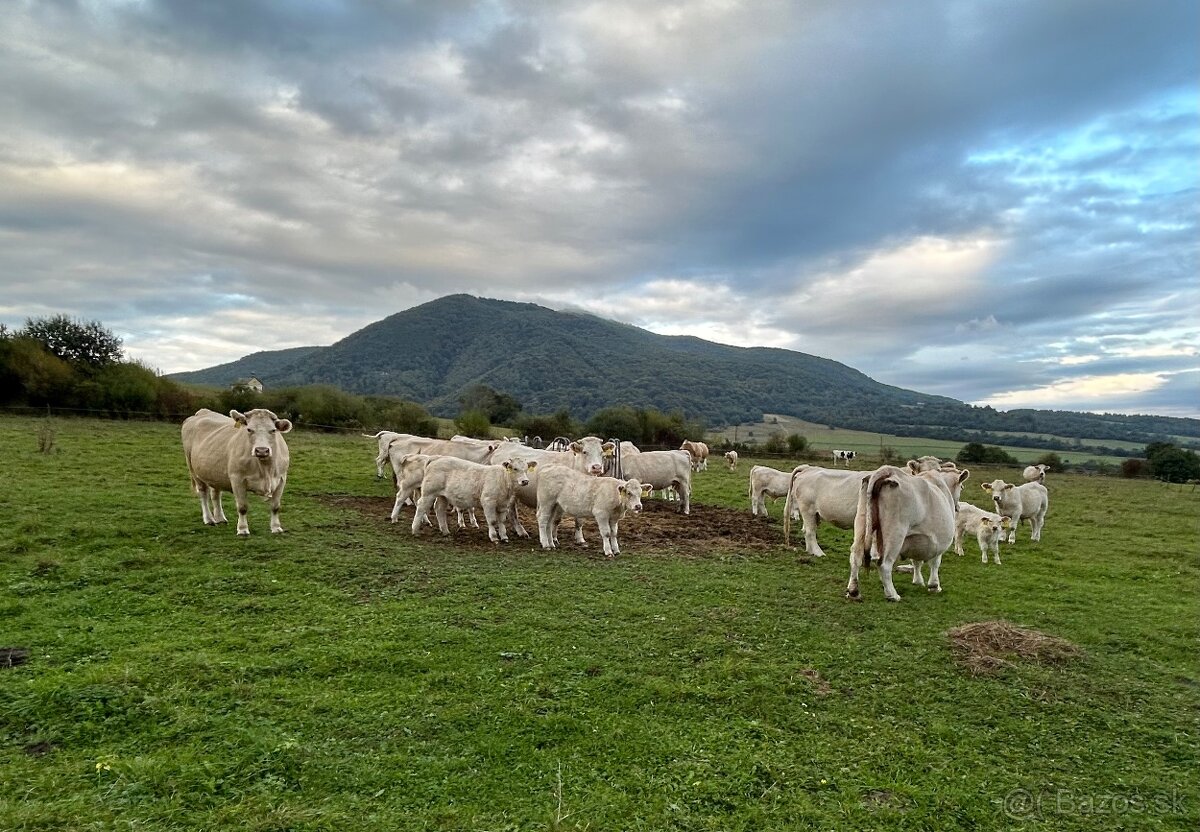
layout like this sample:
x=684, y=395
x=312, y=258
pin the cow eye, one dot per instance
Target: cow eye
x=272, y=430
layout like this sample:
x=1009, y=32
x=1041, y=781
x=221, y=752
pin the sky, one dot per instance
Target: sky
x=994, y=201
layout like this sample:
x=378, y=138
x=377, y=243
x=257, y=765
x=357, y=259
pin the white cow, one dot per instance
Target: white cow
x=843, y=456
x=562, y=491
x=932, y=463
x=902, y=513
x=1019, y=502
x=409, y=476
x=767, y=482
x=663, y=469
x=242, y=453
x=731, y=459
x=464, y=484
x=698, y=452
x=400, y=448
x=386, y=437
x=820, y=494
x=988, y=528
x=585, y=455
x=1035, y=473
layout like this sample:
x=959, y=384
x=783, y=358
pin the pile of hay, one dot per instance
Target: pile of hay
x=989, y=647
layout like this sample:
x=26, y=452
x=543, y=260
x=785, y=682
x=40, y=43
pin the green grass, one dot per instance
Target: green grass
x=343, y=676
x=823, y=438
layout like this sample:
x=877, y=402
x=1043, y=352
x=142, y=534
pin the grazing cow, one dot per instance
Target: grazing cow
x=767, y=482
x=698, y=452
x=1019, y=502
x=987, y=527
x=820, y=494
x=464, y=484
x=386, y=437
x=562, y=491
x=586, y=455
x=731, y=460
x=1035, y=473
x=904, y=513
x=242, y=453
x=844, y=456
x=663, y=469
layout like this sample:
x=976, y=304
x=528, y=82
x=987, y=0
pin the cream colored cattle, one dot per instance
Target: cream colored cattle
x=1029, y=502
x=463, y=485
x=663, y=469
x=408, y=488
x=988, y=528
x=767, y=482
x=1035, y=473
x=470, y=451
x=820, y=494
x=242, y=453
x=731, y=459
x=698, y=452
x=904, y=514
x=585, y=455
x=562, y=491
x=385, y=438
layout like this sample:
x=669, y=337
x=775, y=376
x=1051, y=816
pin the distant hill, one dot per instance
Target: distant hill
x=552, y=360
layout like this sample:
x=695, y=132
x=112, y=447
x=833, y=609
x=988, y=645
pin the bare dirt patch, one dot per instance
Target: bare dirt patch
x=990, y=647
x=659, y=528
x=13, y=656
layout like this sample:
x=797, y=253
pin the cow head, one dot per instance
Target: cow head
x=589, y=455
x=263, y=427
x=519, y=470
x=631, y=492
x=998, y=489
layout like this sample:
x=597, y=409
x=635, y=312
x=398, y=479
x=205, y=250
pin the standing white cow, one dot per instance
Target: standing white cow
x=988, y=528
x=663, y=469
x=698, y=452
x=562, y=491
x=464, y=484
x=902, y=513
x=243, y=453
x=816, y=495
x=586, y=455
x=1020, y=502
x=731, y=459
x=386, y=437
x=767, y=482
x=410, y=471
x=1035, y=473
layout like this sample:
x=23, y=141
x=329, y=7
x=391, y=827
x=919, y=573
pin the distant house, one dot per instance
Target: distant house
x=247, y=385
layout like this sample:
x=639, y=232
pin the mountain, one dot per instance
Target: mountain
x=551, y=360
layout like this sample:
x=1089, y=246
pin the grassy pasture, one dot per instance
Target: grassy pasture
x=823, y=437
x=343, y=676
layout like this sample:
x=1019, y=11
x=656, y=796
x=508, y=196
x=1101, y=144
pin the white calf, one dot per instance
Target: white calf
x=1019, y=502
x=731, y=458
x=561, y=491
x=987, y=527
x=1034, y=473
x=464, y=484
x=767, y=482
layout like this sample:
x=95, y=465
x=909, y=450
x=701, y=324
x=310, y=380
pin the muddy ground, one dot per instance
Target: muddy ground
x=659, y=527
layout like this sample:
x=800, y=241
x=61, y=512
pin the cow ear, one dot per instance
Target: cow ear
x=1006, y=522
x=647, y=490
x=609, y=449
x=621, y=488
x=283, y=425
x=914, y=467
x=576, y=447
x=507, y=464
x=238, y=416
x=986, y=486
x=1007, y=486
x=531, y=466
x=962, y=477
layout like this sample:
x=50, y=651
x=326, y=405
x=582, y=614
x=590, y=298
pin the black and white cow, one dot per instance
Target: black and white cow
x=843, y=457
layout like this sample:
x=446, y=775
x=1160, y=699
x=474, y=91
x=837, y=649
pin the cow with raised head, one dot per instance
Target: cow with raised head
x=1035, y=473
x=244, y=453
x=562, y=491
x=1029, y=502
x=904, y=513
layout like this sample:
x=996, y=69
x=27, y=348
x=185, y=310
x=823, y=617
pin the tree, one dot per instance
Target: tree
x=617, y=423
x=83, y=344
x=1052, y=461
x=474, y=423
x=1133, y=468
x=1174, y=464
x=980, y=453
x=796, y=443
x=500, y=408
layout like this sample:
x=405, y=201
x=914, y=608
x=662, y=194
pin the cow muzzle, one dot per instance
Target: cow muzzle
x=262, y=453
x=596, y=470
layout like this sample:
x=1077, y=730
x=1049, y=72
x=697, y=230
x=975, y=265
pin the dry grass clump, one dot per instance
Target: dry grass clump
x=989, y=647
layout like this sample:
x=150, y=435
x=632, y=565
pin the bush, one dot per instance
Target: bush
x=979, y=453
x=775, y=444
x=796, y=444
x=1132, y=468
x=1052, y=461
x=888, y=455
x=474, y=423
x=1175, y=465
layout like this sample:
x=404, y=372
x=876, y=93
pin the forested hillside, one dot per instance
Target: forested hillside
x=553, y=360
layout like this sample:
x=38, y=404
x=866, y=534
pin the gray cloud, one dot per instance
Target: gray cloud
x=951, y=197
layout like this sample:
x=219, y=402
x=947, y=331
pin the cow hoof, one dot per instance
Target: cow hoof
x=854, y=594
x=934, y=588
x=243, y=534
x=895, y=600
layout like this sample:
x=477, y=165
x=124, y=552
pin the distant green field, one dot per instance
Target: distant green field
x=346, y=676
x=822, y=437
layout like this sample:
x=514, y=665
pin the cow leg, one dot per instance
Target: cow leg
x=422, y=512
x=606, y=535
x=958, y=539
x=885, y=575
x=497, y=533
x=918, y=579
x=439, y=509
x=935, y=581
x=239, y=497
x=205, y=511
x=685, y=497
x=546, y=532
x=1035, y=523
x=856, y=559
x=216, y=509
x=995, y=551
x=810, y=535
x=276, y=499
x=985, y=544
x=402, y=498
x=579, y=530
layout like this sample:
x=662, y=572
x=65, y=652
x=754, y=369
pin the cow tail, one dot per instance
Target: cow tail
x=874, y=531
x=787, y=506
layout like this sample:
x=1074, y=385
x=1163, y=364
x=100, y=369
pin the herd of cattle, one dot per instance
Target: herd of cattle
x=912, y=512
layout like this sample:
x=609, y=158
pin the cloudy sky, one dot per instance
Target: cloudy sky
x=994, y=200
